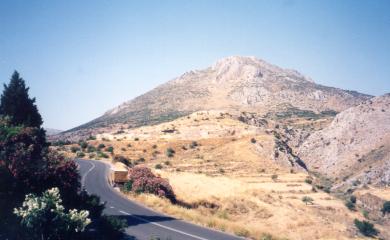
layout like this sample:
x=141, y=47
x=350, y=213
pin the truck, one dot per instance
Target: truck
x=118, y=174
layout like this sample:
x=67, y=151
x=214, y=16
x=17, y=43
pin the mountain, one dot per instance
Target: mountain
x=51, y=131
x=231, y=84
x=355, y=148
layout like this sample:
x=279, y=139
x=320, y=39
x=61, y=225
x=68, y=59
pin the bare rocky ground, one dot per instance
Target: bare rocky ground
x=354, y=149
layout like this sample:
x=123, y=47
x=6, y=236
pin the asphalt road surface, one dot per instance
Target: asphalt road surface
x=144, y=223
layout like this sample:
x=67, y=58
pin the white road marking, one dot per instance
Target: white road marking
x=85, y=175
x=162, y=226
x=139, y=218
x=124, y=212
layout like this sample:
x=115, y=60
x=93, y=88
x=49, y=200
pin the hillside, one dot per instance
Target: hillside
x=243, y=171
x=355, y=148
x=231, y=84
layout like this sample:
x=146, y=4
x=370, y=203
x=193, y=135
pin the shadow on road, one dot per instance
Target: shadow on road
x=133, y=220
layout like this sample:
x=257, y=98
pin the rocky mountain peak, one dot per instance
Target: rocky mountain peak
x=232, y=83
x=242, y=68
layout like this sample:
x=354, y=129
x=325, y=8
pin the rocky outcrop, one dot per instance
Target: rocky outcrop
x=355, y=148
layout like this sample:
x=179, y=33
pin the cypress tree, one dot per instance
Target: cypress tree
x=17, y=105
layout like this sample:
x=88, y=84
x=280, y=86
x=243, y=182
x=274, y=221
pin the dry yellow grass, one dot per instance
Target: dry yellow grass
x=229, y=179
x=383, y=193
x=254, y=207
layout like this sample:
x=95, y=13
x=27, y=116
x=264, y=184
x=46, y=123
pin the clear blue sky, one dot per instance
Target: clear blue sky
x=81, y=58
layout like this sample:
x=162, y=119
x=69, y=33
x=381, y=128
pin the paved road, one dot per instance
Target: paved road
x=144, y=223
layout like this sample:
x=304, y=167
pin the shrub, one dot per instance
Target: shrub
x=91, y=149
x=110, y=149
x=83, y=144
x=136, y=139
x=386, y=207
x=154, y=146
x=242, y=232
x=307, y=199
x=80, y=154
x=253, y=140
x=102, y=155
x=170, y=152
x=309, y=180
x=144, y=181
x=74, y=149
x=366, y=228
x=128, y=186
x=365, y=213
x=91, y=138
x=129, y=145
x=158, y=166
x=274, y=177
x=46, y=218
x=112, y=227
x=120, y=132
x=194, y=144
x=101, y=146
x=350, y=205
x=267, y=236
x=90, y=203
x=356, y=183
x=62, y=173
x=58, y=143
x=122, y=159
x=326, y=189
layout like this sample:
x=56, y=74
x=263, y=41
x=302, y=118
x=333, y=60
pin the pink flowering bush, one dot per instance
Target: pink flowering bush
x=144, y=181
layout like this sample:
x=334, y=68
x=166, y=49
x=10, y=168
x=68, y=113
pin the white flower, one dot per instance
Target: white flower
x=34, y=209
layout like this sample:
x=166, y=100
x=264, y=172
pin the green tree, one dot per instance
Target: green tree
x=307, y=200
x=110, y=149
x=170, y=152
x=45, y=217
x=366, y=228
x=386, y=207
x=16, y=103
x=28, y=166
x=274, y=177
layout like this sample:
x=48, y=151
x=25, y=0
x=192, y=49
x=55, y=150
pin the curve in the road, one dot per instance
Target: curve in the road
x=144, y=223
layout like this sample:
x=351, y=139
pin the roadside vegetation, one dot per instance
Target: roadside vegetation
x=41, y=197
x=142, y=180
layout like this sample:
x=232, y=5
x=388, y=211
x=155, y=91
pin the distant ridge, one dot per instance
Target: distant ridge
x=51, y=131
